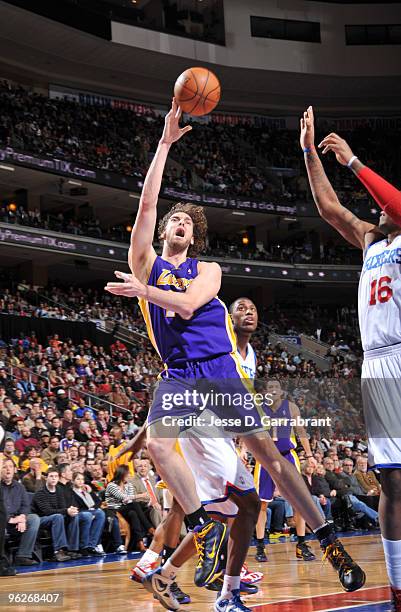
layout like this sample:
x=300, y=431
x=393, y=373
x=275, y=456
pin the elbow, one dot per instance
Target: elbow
x=186, y=312
x=186, y=309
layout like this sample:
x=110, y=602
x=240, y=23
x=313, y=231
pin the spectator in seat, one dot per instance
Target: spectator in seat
x=114, y=449
x=62, y=401
x=9, y=451
x=69, y=420
x=20, y=520
x=34, y=479
x=90, y=532
x=38, y=428
x=49, y=454
x=145, y=483
x=69, y=439
x=118, y=396
x=93, y=433
x=25, y=440
x=103, y=421
x=97, y=480
x=73, y=453
x=56, y=427
x=322, y=502
x=120, y=496
x=368, y=481
x=345, y=498
x=49, y=504
x=5, y=568
x=83, y=434
x=44, y=439
x=30, y=453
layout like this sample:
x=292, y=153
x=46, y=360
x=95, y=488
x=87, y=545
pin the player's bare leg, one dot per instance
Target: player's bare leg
x=295, y=491
x=174, y=471
x=165, y=540
x=260, y=533
x=390, y=524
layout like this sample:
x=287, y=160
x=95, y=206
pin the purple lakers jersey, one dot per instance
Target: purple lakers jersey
x=282, y=435
x=207, y=334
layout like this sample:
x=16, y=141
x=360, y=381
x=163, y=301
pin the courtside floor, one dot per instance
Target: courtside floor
x=288, y=585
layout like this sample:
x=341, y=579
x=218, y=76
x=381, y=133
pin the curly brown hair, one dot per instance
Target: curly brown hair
x=199, y=220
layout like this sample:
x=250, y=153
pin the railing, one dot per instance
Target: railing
x=110, y=326
x=322, y=362
x=73, y=393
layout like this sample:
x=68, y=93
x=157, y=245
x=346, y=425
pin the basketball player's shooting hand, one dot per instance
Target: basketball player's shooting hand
x=307, y=135
x=130, y=287
x=339, y=146
x=172, y=131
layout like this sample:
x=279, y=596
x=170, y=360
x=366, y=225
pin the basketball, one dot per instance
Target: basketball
x=197, y=91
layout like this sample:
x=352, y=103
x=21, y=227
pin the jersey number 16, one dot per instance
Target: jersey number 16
x=380, y=290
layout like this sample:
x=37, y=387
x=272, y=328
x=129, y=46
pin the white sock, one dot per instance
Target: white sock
x=148, y=557
x=392, y=554
x=169, y=570
x=231, y=583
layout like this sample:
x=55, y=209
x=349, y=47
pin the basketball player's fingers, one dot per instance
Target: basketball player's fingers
x=327, y=141
x=178, y=112
x=302, y=124
x=310, y=112
x=123, y=275
x=327, y=149
x=186, y=129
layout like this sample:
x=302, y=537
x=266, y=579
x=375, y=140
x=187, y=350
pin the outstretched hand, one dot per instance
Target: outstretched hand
x=130, y=287
x=172, y=131
x=339, y=146
x=307, y=125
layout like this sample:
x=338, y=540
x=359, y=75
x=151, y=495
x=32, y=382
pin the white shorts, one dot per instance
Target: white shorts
x=218, y=472
x=381, y=393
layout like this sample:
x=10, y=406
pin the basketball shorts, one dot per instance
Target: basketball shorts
x=219, y=385
x=265, y=485
x=218, y=471
x=381, y=393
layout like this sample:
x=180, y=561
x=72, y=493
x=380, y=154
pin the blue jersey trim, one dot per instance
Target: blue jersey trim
x=230, y=489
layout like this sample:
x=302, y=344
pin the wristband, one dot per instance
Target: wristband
x=308, y=456
x=307, y=150
x=351, y=161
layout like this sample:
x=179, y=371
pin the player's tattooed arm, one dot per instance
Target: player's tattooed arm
x=141, y=254
x=352, y=228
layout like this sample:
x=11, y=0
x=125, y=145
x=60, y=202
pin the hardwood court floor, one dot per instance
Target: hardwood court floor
x=288, y=584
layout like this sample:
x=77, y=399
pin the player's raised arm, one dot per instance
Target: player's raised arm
x=202, y=289
x=135, y=444
x=346, y=223
x=141, y=254
x=385, y=194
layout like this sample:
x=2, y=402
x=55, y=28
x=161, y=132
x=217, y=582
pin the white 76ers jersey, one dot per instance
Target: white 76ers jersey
x=249, y=363
x=379, y=295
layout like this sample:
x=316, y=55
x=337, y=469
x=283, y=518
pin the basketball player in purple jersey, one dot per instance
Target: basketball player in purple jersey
x=191, y=329
x=379, y=306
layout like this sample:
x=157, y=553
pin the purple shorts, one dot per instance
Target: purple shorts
x=199, y=389
x=264, y=483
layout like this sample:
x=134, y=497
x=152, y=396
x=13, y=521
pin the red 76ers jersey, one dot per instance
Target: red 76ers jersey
x=379, y=295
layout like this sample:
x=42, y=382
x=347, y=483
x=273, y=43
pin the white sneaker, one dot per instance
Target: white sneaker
x=121, y=550
x=99, y=548
x=139, y=572
x=234, y=604
x=160, y=587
